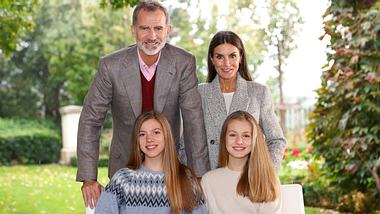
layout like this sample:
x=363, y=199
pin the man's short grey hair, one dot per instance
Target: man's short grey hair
x=149, y=5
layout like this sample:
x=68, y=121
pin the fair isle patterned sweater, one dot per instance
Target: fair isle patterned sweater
x=138, y=191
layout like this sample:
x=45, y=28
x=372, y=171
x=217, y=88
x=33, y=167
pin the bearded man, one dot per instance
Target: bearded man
x=151, y=75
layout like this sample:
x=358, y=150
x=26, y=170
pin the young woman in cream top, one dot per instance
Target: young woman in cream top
x=246, y=181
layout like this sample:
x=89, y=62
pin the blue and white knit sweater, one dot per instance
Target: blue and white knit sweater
x=138, y=191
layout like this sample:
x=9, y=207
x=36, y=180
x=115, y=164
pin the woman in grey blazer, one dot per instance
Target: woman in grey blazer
x=230, y=88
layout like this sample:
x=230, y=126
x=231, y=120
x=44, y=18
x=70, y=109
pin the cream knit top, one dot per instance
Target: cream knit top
x=219, y=186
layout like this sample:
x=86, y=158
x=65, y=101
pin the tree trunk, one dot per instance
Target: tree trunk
x=50, y=96
x=282, y=106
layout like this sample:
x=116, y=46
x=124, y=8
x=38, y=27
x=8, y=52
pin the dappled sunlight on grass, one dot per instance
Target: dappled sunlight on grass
x=47, y=189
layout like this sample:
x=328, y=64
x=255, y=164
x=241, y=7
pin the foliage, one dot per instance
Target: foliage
x=344, y=128
x=58, y=60
x=299, y=166
x=16, y=19
x=117, y=4
x=28, y=142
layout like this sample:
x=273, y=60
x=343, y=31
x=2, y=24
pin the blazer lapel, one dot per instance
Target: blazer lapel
x=240, y=100
x=164, y=76
x=132, y=79
x=216, y=104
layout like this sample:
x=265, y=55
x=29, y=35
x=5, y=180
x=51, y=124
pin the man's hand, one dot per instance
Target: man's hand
x=91, y=192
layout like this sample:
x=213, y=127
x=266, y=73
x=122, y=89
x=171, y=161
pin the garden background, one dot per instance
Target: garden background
x=48, y=56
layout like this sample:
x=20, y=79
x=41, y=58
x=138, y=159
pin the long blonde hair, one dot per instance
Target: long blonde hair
x=178, y=178
x=258, y=180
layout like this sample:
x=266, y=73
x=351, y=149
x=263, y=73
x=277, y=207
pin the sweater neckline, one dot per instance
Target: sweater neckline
x=232, y=171
x=145, y=169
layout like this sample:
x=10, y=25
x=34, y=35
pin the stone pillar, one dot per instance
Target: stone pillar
x=69, y=121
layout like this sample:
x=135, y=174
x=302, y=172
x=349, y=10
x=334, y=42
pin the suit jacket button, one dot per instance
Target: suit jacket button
x=212, y=142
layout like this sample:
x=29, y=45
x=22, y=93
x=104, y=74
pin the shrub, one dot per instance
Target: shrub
x=28, y=142
x=345, y=128
x=103, y=161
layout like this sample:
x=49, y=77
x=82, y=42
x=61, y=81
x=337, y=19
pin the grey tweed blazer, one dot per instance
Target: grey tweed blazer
x=251, y=97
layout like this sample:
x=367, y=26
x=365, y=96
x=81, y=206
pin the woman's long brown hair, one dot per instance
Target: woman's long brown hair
x=179, y=179
x=258, y=180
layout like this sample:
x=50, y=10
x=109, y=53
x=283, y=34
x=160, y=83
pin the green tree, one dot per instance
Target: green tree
x=117, y=4
x=344, y=127
x=281, y=32
x=59, y=57
x=16, y=19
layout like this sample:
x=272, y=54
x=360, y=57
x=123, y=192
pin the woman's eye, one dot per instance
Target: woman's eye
x=141, y=134
x=157, y=132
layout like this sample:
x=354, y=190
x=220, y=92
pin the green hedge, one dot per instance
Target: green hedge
x=103, y=161
x=28, y=142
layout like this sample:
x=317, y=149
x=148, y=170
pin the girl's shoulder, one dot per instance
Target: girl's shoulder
x=123, y=173
x=215, y=173
x=121, y=176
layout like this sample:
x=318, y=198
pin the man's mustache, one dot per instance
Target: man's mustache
x=152, y=41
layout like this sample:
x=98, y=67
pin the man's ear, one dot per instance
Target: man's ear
x=169, y=29
x=133, y=29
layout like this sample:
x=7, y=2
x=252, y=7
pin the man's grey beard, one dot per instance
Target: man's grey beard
x=150, y=52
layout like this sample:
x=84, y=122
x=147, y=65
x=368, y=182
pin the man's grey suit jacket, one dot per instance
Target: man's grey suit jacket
x=117, y=84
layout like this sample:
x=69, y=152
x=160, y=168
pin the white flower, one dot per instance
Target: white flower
x=298, y=164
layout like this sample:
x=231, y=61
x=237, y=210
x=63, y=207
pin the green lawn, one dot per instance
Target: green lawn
x=48, y=189
x=41, y=189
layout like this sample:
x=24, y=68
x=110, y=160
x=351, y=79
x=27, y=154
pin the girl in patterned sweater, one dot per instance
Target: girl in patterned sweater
x=154, y=180
x=246, y=181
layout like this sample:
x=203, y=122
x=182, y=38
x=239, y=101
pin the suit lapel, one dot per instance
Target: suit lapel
x=216, y=104
x=164, y=76
x=132, y=79
x=240, y=100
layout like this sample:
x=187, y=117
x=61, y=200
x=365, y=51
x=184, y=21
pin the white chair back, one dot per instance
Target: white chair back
x=292, y=199
x=89, y=210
